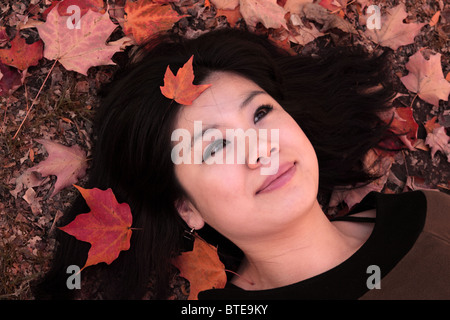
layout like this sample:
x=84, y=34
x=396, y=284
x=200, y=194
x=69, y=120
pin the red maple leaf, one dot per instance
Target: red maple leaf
x=84, y=5
x=22, y=55
x=180, y=87
x=406, y=126
x=107, y=227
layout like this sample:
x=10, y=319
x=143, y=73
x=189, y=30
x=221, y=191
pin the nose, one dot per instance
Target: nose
x=262, y=152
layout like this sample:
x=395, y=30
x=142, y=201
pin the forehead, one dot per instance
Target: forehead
x=222, y=99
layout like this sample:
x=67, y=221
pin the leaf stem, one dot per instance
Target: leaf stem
x=413, y=100
x=34, y=101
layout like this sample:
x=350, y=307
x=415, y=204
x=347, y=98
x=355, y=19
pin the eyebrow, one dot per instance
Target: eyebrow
x=250, y=97
x=244, y=103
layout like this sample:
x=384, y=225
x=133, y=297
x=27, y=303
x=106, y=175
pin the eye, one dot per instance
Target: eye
x=261, y=112
x=214, y=147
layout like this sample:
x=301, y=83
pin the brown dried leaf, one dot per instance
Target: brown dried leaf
x=394, y=33
x=68, y=163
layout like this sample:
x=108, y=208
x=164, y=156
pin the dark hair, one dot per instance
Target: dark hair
x=327, y=95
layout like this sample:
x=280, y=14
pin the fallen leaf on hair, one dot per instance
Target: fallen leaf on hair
x=438, y=140
x=107, y=227
x=68, y=163
x=78, y=49
x=426, y=78
x=201, y=267
x=394, y=33
x=180, y=87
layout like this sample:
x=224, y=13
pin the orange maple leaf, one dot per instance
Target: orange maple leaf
x=180, y=87
x=144, y=18
x=232, y=15
x=201, y=267
x=107, y=227
x=431, y=124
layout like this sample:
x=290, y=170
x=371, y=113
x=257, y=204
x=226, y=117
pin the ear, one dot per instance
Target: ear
x=189, y=214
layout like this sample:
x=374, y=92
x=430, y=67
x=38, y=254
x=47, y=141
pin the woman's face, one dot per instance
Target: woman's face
x=227, y=185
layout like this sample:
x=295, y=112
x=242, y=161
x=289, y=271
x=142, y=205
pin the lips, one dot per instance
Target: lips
x=283, y=176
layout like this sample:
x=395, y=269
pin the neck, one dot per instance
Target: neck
x=308, y=247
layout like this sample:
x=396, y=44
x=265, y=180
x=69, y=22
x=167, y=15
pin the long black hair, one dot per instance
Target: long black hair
x=329, y=96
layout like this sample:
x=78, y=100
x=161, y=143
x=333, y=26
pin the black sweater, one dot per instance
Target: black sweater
x=409, y=247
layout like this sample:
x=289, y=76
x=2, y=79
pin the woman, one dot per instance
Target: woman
x=322, y=116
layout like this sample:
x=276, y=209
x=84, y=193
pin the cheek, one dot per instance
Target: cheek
x=220, y=197
x=212, y=187
x=309, y=161
x=295, y=144
x=293, y=139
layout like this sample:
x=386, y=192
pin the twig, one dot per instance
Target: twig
x=25, y=285
x=337, y=10
x=406, y=165
x=34, y=101
x=413, y=100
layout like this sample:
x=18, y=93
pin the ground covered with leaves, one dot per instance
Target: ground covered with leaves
x=48, y=99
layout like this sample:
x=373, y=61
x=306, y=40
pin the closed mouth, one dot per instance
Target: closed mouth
x=283, y=176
